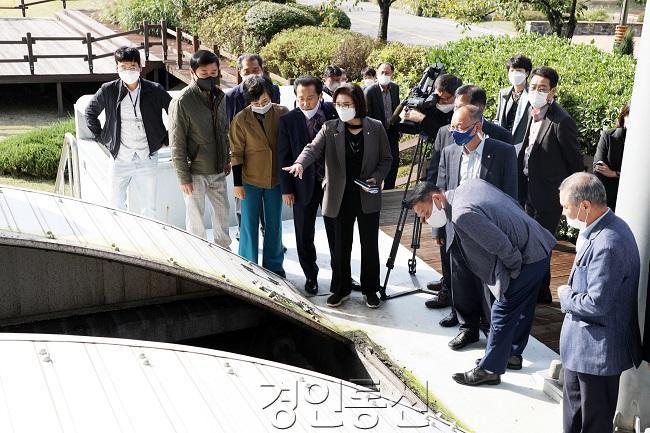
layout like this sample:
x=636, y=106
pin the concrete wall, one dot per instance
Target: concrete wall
x=583, y=28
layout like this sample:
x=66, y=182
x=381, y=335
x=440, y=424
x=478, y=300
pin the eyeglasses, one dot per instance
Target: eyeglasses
x=132, y=68
x=307, y=99
x=261, y=103
x=458, y=129
x=344, y=106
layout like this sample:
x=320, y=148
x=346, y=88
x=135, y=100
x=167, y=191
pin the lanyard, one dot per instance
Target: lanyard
x=134, y=103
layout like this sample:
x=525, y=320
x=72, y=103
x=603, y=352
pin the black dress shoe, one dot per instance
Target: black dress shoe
x=281, y=274
x=354, y=285
x=544, y=296
x=435, y=287
x=450, y=320
x=477, y=376
x=311, y=286
x=464, y=337
x=441, y=300
x=515, y=362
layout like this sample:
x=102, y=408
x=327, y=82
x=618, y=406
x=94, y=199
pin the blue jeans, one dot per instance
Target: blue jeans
x=139, y=174
x=512, y=318
x=270, y=200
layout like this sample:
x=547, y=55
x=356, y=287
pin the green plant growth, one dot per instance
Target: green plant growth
x=265, y=19
x=130, y=14
x=35, y=153
x=308, y=50
x=626, y=46
x=409, y=62
x=598, y=14
x=228, y=29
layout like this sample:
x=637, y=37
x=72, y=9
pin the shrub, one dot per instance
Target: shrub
x=35, y=153
x=640, y=18
x=304, y=51
x=334, y=17
x=409, y=62
x=593, y=84
x=228, y=29
x=626, y=46
x=598, y=14
x=130, y=14
x=352, y=53
x=265, y=19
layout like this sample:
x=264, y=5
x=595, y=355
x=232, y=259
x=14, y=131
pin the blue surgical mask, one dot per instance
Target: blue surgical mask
x=461, y=138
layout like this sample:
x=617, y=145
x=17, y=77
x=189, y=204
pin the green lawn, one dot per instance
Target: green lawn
x=49, y=9
x=46, y=185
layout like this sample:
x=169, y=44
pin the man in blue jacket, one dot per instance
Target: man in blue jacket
x=505, y=249
x=600, y=335
x=297, y=129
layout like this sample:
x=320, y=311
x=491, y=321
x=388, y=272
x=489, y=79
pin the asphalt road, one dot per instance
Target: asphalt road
x=406, y=28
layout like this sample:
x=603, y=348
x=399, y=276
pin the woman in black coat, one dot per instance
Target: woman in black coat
x=609, y=156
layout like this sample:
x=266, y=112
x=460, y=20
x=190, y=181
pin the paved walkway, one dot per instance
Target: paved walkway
x=407, y=28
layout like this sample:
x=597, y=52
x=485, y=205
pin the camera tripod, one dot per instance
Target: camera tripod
x=419, y=159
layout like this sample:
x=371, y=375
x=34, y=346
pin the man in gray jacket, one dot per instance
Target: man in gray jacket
x=506, y=249
x=198, y=134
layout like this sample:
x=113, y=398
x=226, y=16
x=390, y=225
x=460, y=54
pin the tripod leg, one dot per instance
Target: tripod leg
x=390, y=263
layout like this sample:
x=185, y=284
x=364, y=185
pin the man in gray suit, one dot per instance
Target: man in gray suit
x=600, y=335
x=473, y=155
x=506, y=249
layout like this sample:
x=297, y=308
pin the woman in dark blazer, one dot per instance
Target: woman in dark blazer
x=609, y=156
x=356, y=148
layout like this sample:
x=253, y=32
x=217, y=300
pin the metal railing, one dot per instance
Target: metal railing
x=68, y=165
x=23, y=6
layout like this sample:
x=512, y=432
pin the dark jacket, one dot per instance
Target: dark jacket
x=375, y=106
x=292, y=139
x=330, y=141
x=198, y=137
x=610, y=151
x=153, y=99
x=444, y=139
x=555, y=156
x=498, y=167
x=235, y=101
x=521, y=117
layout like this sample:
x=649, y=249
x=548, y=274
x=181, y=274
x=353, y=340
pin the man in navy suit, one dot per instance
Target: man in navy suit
x=465, y=95
x=297, y=129
x=506, y=249
x=247, y=64
x=472, y=156
x=600, y=335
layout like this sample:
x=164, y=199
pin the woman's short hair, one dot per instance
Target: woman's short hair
x=256, y=86
x=354, y=92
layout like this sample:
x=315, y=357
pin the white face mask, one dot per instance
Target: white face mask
x=310, y=113
x=384, y=80
x=537, y=99
x=445, y=108
x=333, y=86
x=346, y=114
x=246, y=77
x=368, y=82
x=576, y=223
x=438, y=217
x=517, y=77
x=262, y=110
x=129, y=77
x=626, y=121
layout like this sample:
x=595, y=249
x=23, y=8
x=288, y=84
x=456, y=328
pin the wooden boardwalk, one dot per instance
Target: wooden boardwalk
x=548, y=318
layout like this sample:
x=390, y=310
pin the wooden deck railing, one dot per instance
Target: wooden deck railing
x=23, y=6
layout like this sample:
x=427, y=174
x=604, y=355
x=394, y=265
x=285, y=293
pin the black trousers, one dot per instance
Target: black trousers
x=445, y=263
x=304, y=221
x=391, y=177
x=468, y=296
x=368, y=225
x=550, y=220
x=589, y=402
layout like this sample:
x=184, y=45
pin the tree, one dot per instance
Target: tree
x=384, y=9
x=561, y=14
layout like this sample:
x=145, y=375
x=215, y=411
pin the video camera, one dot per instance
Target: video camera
x=420, y=98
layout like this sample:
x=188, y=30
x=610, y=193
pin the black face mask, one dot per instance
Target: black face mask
x=206, y=84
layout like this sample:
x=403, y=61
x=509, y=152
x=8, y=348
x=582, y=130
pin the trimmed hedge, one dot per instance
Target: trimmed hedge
x=409, y=62
x=308, y=50
x=228, y=29
x=265, y=19
x=35, y=153
x=130, y=14
x=593, y=86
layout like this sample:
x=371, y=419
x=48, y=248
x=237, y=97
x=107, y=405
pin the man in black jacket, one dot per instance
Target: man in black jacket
x=247, y=64
x=382, y=98
x=133, y=131
x=550, y=153
x=298, y=128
